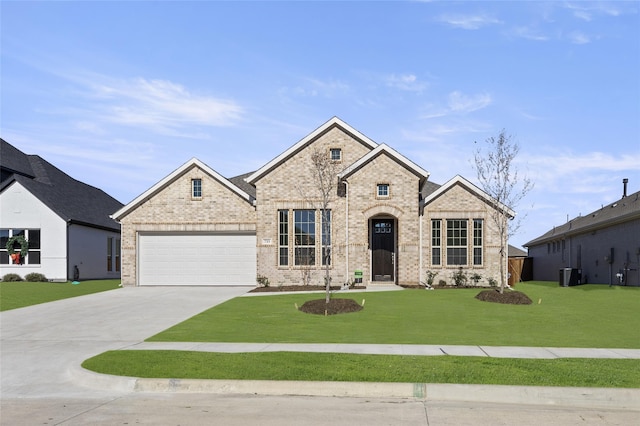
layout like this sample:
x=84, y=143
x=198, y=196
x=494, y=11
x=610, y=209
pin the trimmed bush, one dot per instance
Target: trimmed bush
x=35, y=277
x=12, y=278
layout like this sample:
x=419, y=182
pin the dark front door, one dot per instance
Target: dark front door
x=382, y=248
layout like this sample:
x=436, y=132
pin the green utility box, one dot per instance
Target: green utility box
x=357, y=276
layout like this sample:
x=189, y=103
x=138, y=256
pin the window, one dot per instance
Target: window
x=283, y=237
x=196, y=188
x=382, y=228
x=336, y=154
x=436, y=228
x=117, y=255
x=456, y=242
x=109, y=254
x=304, y=237
x=383, y=190
x=326, y=237
x=32, y=236
x=113, y=254
x=477, y=241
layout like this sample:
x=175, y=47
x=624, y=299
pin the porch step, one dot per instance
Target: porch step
x=382, y=286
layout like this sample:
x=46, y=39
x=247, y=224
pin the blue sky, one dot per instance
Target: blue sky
x=119, y=94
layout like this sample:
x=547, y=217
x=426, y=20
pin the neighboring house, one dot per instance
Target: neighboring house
x=65, y=222
x=603, y=246
x=386, y=220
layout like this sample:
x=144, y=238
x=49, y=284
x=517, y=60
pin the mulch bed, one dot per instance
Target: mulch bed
x=335, y=306
x=508, y=297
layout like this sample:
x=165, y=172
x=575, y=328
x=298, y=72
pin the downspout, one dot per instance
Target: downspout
x=420, y=217
x=346, y=228
x=68, y=253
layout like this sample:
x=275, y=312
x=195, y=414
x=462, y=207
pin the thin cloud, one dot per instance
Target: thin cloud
x=313, y=87
x=161, y=104
x=529, y=33
x=461, y=103
x=588, y=172
x=587, y=11
x=406, y=82
x=578, y=37
x=469, y=22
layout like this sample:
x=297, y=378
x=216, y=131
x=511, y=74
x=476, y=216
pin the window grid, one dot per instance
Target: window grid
x=196, y=188
x=336, y=154
x=456, y=242
x=33, y=238
x=326, y=237
x=477, y=241
x=436, y=229
x=304, y=237
x=383, y=190
x=283, y=237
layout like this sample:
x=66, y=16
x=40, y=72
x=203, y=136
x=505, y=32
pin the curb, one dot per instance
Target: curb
x=609, y=398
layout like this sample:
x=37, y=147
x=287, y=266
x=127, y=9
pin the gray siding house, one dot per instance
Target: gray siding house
x=603, y=246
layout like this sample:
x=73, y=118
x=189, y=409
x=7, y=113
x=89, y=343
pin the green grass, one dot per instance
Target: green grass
x=581, y=316
x=574, y=372
x=20, y=294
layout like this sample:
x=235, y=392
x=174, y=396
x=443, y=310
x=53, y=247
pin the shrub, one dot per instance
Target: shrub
x=459, y=278
x=475, y=277
x=430, y=277
x=442, y=283
x=12, y=278
x=493, y=282
x=35, y=277
x=262, y=280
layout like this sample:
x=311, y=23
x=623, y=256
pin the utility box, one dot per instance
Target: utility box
x=570, y=277
x=357, y=276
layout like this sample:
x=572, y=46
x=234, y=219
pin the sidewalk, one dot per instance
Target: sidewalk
x=375, y=349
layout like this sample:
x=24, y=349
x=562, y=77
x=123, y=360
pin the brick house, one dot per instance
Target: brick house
x=385, y=220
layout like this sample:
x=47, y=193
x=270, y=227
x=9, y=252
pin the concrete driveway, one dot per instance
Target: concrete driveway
x=40, y=344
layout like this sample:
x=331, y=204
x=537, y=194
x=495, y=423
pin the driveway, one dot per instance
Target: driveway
x=41, y=343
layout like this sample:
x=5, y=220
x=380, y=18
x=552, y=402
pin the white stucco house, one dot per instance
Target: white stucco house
x=64, y=223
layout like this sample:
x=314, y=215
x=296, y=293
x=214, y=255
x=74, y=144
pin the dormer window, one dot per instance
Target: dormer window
x=383, y=190
x=336, y=154
x=196, y=188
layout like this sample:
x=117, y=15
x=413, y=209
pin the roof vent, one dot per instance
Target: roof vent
x=625, y=181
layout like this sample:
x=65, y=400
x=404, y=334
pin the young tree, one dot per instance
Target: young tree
x=499, y=178
x=325, y=179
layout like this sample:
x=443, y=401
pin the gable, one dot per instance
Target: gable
x=334, y=130
x=460, y=194
x=172, y=195
x=384, y=150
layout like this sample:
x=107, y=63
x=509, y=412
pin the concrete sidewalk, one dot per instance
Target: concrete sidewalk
x=375, y=349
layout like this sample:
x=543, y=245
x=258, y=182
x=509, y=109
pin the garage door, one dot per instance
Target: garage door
x=197, y=259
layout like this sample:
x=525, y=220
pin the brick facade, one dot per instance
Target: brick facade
x=172, y=209
x=287, y=184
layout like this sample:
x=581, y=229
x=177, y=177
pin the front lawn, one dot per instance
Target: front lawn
x=20, y=294
x=618, y=373
x=582, y=316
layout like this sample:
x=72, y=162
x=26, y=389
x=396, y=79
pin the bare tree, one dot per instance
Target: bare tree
x=499, y=178
x=325, y=178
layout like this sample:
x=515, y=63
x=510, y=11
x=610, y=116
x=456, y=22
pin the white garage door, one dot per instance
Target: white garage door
x=197, y=259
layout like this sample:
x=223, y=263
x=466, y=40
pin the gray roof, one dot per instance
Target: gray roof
x=514, y=251
x=429, y=188
x=240, y=182
x=72, y=200
x=621, y=211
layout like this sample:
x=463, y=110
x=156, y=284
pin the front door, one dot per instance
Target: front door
x=383, y=250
